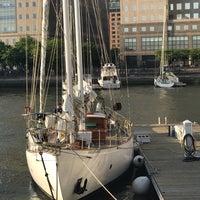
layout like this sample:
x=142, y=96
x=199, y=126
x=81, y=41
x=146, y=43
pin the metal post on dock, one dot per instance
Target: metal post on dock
x=165, y=120
x=159, y=120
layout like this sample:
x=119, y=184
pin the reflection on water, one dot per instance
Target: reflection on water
x=142, y=104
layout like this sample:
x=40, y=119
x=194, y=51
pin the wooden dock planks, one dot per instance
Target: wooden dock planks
x=172, y=177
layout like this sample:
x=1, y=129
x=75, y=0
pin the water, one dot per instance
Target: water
x=144, y=105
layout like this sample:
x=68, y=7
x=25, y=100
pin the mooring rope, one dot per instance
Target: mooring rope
x=94, y=175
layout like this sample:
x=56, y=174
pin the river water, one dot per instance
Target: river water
x=142, y=104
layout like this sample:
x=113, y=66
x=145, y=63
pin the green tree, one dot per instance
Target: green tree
x=3, y=53
x=195, y=55
x=21, y=53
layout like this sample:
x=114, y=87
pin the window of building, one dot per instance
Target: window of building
x=27, y=28
x=151, y=43
x=130, y=44
x=143, y=18
x=196, y=41
x=20, y=28
x=20, y=16
x=126, y=19
x=186, y=27
x=160, y=6
x=152, y=17
x=134, y=29
x=27, y=16
x=152, y=7
x=19, y=4
x=187, y=6
x=143, y=28
x=134, y=8
x=160, y=28
x=171, y=7
x=143, y=7
x=187, y=15
x=126, y=8
x=194, y=27
x=152, y=28
x=169, y=28
x=178, y=6
x=178, y=42
x=160, y=17
x=177, y=27
x=27, y=4
x=14, y=41
x=134, y=18
x=126, y=30
x=34, y=4
x=196, y=15
x=179, y=16
x=196, y=5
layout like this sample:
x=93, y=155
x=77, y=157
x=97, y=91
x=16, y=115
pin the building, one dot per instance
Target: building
x=114, y=23
x=19, y=18
x=142, y=26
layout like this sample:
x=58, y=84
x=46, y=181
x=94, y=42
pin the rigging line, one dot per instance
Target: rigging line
x=92, y=29
x=46, y=174
x=27, y=92
x=99, y=29
x=56, y=180
x=94, y=175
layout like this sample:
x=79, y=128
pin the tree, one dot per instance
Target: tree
x=3, y=53
x=195, y=55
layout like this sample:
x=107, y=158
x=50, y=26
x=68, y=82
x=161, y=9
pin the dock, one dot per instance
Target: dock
x=172, y=176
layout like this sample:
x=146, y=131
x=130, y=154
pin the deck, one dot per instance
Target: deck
x=173, y=178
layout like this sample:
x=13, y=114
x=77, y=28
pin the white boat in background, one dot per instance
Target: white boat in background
x=109, y=78
x=173, y=78
x=83, y=145
x=162, y=80
x=166, y=79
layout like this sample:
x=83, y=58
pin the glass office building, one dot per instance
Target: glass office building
x=7, y=16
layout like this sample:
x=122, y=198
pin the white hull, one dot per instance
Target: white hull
x=163, y=83
x=109, y=84
x=106, y=164
x=109, y=77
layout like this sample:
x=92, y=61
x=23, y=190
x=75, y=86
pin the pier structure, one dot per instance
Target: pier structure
x=173, y=176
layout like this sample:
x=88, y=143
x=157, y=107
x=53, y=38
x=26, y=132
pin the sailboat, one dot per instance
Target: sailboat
x=162, y=80
x=82, y=145
x=166, y=78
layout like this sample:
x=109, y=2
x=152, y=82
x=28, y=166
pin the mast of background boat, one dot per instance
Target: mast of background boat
x=79, y=58
x=68, y=106
x=45, y=17
x=163, y=41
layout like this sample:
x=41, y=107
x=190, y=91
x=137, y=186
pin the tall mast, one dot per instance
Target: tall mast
x=45, y=17
x=67, y=85
x=79, y=58
x=162, y=62
x=78, y=47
